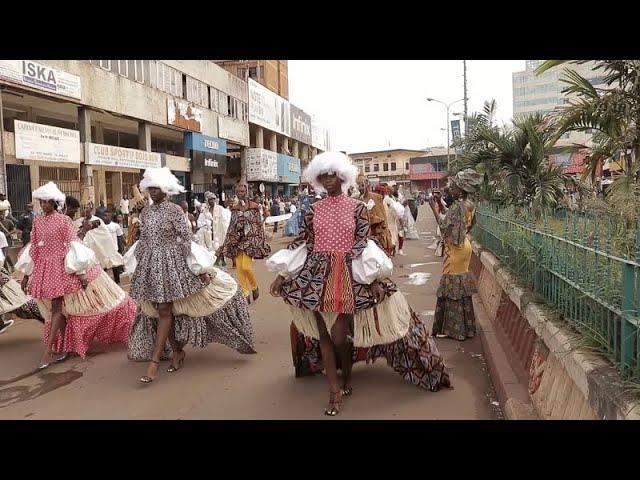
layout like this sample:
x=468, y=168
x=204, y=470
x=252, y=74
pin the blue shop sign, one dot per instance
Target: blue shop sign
x=204, y=143
x=288, y=169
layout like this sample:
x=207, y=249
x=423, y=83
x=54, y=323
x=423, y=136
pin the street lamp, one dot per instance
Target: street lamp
x=447, y=106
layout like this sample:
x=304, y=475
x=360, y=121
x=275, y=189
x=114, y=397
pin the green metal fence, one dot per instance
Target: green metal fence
x=573, y=261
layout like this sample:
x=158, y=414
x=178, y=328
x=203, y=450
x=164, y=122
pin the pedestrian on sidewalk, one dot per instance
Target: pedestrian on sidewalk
x=377, y=216
x=78, y=307
x=117, y=241
x=124, y=209
x=176, y=304
x=454, y=316
x=245, y=241
x=25, y=224
x=335, y=313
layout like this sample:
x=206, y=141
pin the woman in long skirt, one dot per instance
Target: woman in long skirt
x=454, y=316
x=79, y=307
x=176, y=305
x=330, y=306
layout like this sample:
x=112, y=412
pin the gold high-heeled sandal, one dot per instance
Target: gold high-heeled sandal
x=147, y=378
x=175, y=368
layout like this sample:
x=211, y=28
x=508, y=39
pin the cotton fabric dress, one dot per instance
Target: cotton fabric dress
x=335, y=231
x=454, y=315
x=102, y=312
x=14, y=300
x=202, y=313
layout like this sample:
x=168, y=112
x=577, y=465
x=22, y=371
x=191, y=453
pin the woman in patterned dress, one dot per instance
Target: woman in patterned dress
x=454, y=316
x=245, y=241
x=79, y=307
x=13, y=300
x=329, y=306
x=175, y=305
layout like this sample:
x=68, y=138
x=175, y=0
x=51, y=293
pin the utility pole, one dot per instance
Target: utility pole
x=464, y=69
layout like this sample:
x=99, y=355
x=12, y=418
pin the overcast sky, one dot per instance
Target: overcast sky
x=369, y=104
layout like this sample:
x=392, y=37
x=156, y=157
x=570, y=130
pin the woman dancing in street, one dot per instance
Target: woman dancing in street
x=174, y=303
x=79, y=307
x=329, y=305
x=454, y=316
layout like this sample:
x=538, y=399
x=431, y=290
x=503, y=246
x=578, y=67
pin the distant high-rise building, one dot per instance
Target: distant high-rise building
x=273, y=74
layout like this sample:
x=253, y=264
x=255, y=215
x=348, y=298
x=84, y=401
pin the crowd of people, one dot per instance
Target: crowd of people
x=334, y=276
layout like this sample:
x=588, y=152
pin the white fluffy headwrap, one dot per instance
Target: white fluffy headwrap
x=333, y=163
x=49, y=191
x=163, y=179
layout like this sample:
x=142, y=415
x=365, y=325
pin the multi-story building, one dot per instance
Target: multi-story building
x=93, y=127
x=273, y=74
x=534, y=93
x=429, y=170
x=385, y=166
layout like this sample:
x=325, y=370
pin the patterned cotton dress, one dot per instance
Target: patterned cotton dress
x=246, y=234
x=102, y=312
x=13, y=299
x=454, y=315
x=335, y=230
x=202, y=313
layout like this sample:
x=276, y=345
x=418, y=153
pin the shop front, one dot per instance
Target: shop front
x=208, y=164
x=288, y=175
x=115, y=170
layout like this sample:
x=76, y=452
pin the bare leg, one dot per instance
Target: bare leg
x=339, y=333
x=58, y=324
x=178, y=355
x=329, y=362
x=165, y=324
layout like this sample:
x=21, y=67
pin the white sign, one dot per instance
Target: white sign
x=268, y=109
x=46, y=143
x=262, y=165
x=234, y=130
x=36, y=75
x=98, y=154
x=319, y=135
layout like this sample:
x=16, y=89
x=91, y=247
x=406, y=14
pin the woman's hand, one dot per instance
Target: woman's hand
x=276, y=286
x=378, y=291
x=83, y=281
x=205, y=278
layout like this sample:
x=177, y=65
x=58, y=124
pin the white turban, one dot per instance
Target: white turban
x=163, y=179
x=332, y=163
x=49, y=191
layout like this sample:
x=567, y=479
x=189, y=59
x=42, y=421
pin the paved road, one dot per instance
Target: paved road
x=218, y=383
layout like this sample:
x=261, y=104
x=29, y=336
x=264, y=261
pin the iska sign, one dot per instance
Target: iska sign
x=42, y=77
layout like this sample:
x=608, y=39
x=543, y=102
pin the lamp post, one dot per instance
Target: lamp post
x=447, y=106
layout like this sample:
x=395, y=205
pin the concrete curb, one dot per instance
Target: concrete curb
x=594, y=376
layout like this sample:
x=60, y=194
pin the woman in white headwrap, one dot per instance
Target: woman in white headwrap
x=176, y=304
x=330, y=303
x=454, y=316
x=79, y=301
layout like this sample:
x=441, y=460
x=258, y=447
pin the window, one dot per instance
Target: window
x=123, y=68
x=367, y=168
x=376, y=167
x=197, y=92
x=393, y=166
x=406, y=166
x=169, y=80
x=385, y=167
x=253, y=72
x=138, y=71
x=106, y=64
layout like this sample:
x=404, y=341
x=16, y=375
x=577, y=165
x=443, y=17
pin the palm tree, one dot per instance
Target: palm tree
x=613, y=112
x=516, y=163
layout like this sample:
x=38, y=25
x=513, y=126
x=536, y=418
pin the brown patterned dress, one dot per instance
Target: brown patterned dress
x=246, y=234
x=335, y=230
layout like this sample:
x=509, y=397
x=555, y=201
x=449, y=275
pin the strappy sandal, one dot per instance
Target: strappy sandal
x=256, y=294
x=334, y=404
x=147, y=378
x=174, y=368
x=347, y=391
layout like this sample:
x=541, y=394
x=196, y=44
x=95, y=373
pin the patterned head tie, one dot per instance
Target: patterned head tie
x=468, y=180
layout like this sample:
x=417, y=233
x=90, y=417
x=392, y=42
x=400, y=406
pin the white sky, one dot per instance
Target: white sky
x=368, y=103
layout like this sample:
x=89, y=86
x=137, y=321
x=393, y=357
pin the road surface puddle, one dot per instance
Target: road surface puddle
x=41, y=384
x=417, y=278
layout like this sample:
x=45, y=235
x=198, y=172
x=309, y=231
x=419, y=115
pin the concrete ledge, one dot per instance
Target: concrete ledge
x=569, y=369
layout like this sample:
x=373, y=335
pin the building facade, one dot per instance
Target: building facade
x=429, y=170
x=273, y=74
x=93, y=127
x=385, y=166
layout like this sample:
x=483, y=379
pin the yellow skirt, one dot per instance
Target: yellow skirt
x=457, y=258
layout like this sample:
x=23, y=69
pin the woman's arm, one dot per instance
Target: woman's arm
x=362, y=230
x=182, y=229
